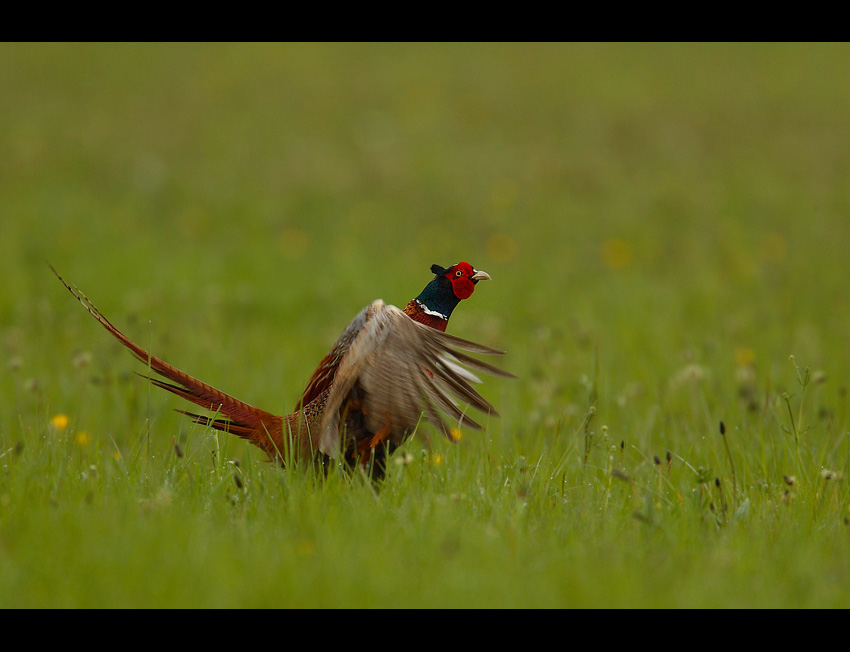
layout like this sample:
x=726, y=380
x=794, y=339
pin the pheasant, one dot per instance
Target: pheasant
x=387, y=369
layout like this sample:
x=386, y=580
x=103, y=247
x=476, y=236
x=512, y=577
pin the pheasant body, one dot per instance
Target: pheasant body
x=387, y=369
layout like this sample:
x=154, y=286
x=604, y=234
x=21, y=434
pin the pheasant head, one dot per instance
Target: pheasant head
x=450, y=286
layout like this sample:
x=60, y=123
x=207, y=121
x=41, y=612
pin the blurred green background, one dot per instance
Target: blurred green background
x=654, y=217
x=649, y=205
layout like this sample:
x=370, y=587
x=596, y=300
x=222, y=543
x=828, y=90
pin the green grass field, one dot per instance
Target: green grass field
x=667, y=228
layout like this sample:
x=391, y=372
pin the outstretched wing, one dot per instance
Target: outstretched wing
x=402, y=369
x=323, y=376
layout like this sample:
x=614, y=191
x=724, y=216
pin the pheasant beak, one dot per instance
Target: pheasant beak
x=479, y=276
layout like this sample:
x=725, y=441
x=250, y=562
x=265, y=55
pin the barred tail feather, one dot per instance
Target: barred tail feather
x=261, y=428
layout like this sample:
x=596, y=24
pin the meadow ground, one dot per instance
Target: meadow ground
x=667, y=231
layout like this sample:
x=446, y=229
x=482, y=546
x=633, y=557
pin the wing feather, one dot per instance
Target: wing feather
x=404, y=369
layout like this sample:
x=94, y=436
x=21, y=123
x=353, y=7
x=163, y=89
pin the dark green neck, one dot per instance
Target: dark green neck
x=439, y=297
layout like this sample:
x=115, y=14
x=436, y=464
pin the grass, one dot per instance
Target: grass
x=666, y=228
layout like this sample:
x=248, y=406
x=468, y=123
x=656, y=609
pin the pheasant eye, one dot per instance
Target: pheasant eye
x=458, y=273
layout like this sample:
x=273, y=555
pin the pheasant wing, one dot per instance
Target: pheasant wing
x=323, y=376
x=401, y=370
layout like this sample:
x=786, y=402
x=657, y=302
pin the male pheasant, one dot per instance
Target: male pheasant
x=387, y=369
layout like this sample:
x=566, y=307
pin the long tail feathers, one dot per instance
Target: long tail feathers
x=261, y=428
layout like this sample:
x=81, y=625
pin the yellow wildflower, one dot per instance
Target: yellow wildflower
x=501, y=248
x=60, y=421
x=744, y=356
x=617, y=253
x=774, y=247
x=305, y=547
x=82, y=439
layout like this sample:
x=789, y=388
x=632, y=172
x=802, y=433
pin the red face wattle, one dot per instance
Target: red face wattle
x=463, y=278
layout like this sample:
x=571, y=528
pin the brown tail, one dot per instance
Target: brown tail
x=261, y=428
